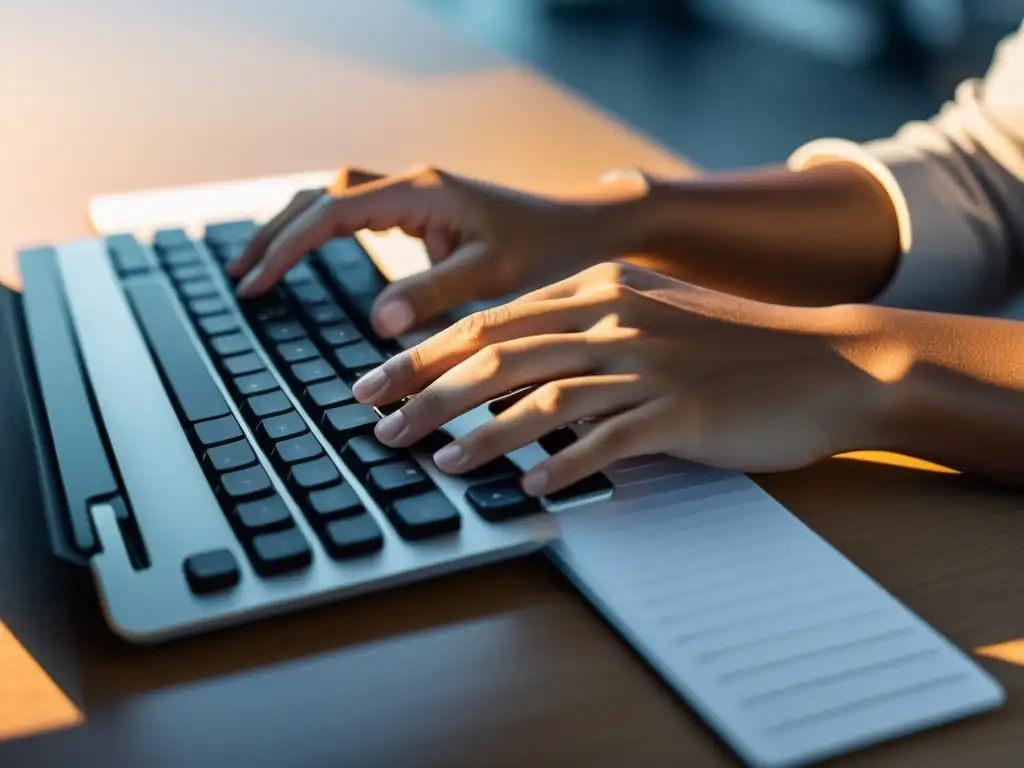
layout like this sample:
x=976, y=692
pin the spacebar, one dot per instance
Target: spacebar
x=174, y=350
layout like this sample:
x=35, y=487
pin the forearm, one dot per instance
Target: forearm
x=952, y=388
x=824, y=236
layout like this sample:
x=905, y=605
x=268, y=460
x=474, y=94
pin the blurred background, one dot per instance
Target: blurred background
x=730, y=83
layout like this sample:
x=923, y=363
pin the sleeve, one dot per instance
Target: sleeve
x=957, y=184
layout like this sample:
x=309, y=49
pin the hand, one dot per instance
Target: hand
x=485, y=241
x=664, y=367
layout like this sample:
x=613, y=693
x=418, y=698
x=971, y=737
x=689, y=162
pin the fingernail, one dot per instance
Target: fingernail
x=370, y=386
x=534, y=482
x=391, y=427
x=245, y=288
x=395, y=317
x=449, y=458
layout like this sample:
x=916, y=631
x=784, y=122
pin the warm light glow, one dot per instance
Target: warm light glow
x=30, y=702
x=897, y=460
x=1012, y=652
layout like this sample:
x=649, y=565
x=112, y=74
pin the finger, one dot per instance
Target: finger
x=547, y=408
x=440, y=242
x=348, y=178
x=410, y=371
x=257, y=247
x=632, y=433
x=491, y=372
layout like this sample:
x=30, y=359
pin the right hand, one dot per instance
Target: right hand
x=484, y=241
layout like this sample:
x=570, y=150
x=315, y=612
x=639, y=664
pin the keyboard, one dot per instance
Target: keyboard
x=230, y=472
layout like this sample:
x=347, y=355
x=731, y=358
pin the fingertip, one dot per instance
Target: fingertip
x=393, y=316
x=249, y=287
x=536, y=481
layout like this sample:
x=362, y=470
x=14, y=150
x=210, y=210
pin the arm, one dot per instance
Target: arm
x=931, y=218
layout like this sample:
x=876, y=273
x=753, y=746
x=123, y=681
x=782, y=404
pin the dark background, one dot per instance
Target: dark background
x=730, y=83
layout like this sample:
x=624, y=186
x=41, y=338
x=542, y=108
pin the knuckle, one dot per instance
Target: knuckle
x=491, y=361
x=551, y=398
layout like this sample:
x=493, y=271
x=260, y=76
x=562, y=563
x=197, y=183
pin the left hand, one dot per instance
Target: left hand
x=663, y=366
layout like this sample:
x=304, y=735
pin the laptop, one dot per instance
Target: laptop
x=204, y=458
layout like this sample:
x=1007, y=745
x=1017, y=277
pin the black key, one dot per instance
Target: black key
x=341, y=334
x=127, y=255
x=255, y=383
x=312, y=371
x=228, y=253
x=281, y=427
x=590, y=485
x=215, y=325
x=297, y=449
x=501, y=500
x=230, y=344
x=212, y=306
x=237, y=233
x=433, y=442
x=397, y=479
x=244, y=484
x=556, y=441
x=236, y=455
x=212, y=571
x=328, y=393
x=365, y=451
x=388, y=408
x=347, y=421
x=217, y=431
x=175, y=353
x=280, y=552
x=300, y=273
x=309, y=293
x=358, y=356
x=353, y=273
x=190, y=272
x=330, y=503
x=238, y=365
x=184, y=256
x=284, y=330
x=266, y=308
x=352, y=537
x=261, y=406
x=503, y=403
x=429, y=514
x=326, y=313
x=262, y=515
x=197, y=289
x=169, y=239
x=492, y=470
x=297, y=351
x=310, y=475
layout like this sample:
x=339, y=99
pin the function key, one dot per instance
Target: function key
x=255, y=383
x=244, y=484
x=328, y=393
x=312, y=371
x=262, y=515
x=237, y=233
x=352, y=537
x=280, y=427
x=212, y=571
x=215, y=325
x=203, y=307
x=339, y=335
x=261, y=406
x=239, y=365
x=297, y=351
x=230, y=344
x=501, y=500
x=310, y=475
x=326, y=313
x=186, y=273
x=363, y=452
x=217, y=431
x=429, y=514
x=197, y=289
x=347, y=421
x=296, y=449
x=222, y=458
x=183, y=256
x=330, y=503
x=397, y=479
x=169, y=239
x=284, y=330
x=280, y=552
x=358, y=356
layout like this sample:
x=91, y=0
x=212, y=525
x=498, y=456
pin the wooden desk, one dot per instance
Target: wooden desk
x=500, y=666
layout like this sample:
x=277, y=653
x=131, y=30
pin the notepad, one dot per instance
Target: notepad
x=782, y=645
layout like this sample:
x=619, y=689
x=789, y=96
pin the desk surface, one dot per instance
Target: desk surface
x=500, y=666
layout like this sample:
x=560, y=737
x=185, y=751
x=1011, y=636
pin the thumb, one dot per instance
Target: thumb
x=464, y=276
